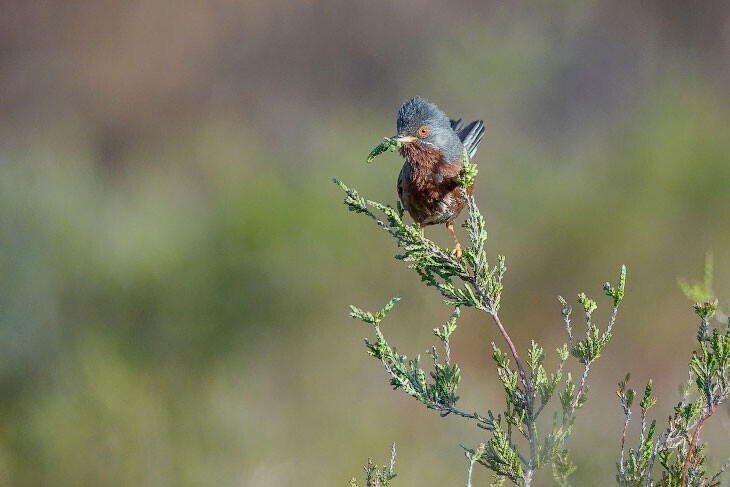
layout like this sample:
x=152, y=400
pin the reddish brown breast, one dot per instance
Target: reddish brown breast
x=421, y=154
x=427, y=185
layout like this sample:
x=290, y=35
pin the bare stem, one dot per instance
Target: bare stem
x=469, y=471
x=623, y=441
x=446, y=410
x=581, y=388
x=693, y=443
x=612, y=320
x=643, y=428
x=513, y=350
x=568, y=329
x=529, y=399
x=528, y=477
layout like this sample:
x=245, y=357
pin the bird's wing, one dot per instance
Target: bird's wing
x=401, y=177
x=470, y=135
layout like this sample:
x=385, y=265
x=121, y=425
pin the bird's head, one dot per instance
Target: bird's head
x=423, y=125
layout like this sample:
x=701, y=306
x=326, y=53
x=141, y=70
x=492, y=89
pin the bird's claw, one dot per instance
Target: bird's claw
x=456, y=251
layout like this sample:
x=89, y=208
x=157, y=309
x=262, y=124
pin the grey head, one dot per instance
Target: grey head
x=421, y=122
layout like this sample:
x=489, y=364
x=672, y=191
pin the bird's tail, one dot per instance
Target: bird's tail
x=470, y=135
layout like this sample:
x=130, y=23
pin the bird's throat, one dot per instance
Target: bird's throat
x=420, y=156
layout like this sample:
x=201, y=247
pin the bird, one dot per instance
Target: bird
x=433, y=147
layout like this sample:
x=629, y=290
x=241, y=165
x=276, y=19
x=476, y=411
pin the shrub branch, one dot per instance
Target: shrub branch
x=475, y=283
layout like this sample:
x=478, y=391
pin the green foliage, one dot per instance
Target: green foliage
x=388, y=144
x=468, y=173
x=515, y=449
x=440, y=392
x=469, y=281
x=700, y=291
x=501, y=457
x=679, y=449
x=632, y=469
x=378, y=476
x=617, y=293
x=563, y=467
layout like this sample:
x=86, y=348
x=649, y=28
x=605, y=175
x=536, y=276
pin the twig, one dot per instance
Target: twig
x=513, y=350
x=581, y=387
x=529, y=399
x=693, y=443
x=623, y=440
x=472, y=461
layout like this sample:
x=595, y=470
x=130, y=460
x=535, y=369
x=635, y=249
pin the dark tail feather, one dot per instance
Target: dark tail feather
x=457, y=125
x=470, y=135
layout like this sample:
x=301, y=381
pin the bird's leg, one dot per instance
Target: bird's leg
x=457, y=246
x=423, y=234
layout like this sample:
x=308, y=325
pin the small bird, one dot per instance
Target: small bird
x=433, y=148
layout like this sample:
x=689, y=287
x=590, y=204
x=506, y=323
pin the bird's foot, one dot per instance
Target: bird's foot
x=456, y=251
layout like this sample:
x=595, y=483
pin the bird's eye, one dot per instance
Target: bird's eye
x=423, y=131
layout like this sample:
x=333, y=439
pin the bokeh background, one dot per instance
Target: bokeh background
x=176, y=265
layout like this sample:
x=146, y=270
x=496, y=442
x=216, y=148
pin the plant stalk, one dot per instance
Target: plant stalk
x=528, y=398
x=693, y=443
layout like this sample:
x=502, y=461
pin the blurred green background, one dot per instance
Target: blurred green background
x=176, y=265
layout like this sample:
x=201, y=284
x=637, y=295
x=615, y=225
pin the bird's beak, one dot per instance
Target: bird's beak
x=405, y=139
